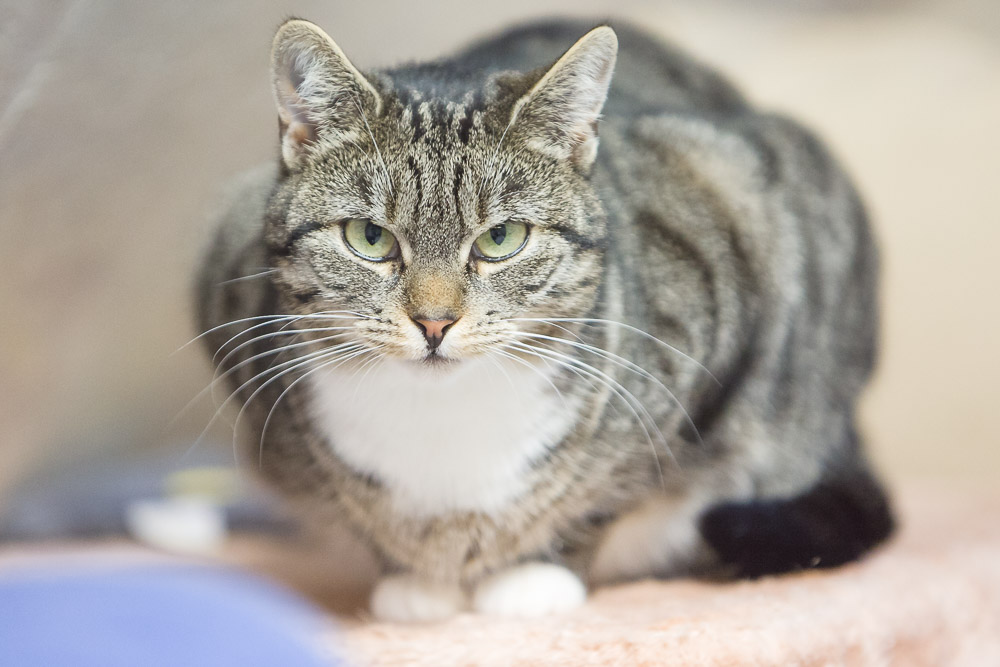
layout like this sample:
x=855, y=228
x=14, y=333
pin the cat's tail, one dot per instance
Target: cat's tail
x=836, y=521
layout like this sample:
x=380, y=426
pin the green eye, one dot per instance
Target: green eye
x=369, y=240
x=502, y=241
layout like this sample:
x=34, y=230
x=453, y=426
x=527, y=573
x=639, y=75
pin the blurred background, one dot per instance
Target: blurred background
x=122, y=121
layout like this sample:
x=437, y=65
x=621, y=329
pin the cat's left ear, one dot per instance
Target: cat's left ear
x=321, y=96
x=559, y=114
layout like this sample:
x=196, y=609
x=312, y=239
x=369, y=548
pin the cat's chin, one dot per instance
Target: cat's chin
x=435, y=363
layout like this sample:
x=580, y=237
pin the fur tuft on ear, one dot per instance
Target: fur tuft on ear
x=559, y=114
x=320, y=95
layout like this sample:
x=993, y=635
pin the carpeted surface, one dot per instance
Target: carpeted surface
x=931, y=597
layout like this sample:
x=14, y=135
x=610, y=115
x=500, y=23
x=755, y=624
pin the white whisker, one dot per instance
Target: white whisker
x=219, y=410
x=492, y=161
x=628, y=327
x=371, y=135
x=552, y=384
x=369, y=364
x=266, y=353
x=250, y=277
x=219, y=378
x=348, y=315
x=340, y=357
x=271, y=319
x=635, y=405
x=268, y=336
x=514, y=389
x=624, y=363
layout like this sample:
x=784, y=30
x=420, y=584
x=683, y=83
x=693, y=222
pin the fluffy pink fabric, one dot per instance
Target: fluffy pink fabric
x=931, y=597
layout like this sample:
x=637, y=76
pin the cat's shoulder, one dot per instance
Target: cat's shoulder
x=755, y=150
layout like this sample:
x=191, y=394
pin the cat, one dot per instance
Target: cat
x=530, y=321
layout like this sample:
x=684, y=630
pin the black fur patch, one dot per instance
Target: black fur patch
x=833, y=523
x=306, y=296
x=457, y=186
x=465, y=126
x=412, y=162
x=415, y=124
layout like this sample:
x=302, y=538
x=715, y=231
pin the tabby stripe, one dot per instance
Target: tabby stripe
x=364, y=186
x=306, y=296
x=681, y=245
x=582, y=243
x=415, y=124
x=465, y=125
x=819, y=160
x=419, y=186
x=766, y=155
x=716, y=403
x=540, y=286
x=815, y=299
x=457, y=186
x=296, y=235
x=786, y=370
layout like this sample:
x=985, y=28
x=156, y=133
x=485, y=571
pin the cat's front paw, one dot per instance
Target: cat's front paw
x=407, y=599
x=533, y=589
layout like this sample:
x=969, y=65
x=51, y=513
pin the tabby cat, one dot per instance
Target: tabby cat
x=520, y=364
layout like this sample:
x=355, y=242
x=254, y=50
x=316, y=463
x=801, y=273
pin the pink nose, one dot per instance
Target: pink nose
x=434, y=330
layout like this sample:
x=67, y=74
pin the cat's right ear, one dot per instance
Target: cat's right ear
x=559, y=114
x=322, y=98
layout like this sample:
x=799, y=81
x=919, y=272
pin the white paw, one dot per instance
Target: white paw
x=533, y=589
x=407, y=599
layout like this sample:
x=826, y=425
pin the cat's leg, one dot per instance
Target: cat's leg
x=660, y=537
x=529, y=589
x=830, y=522
x=406, y=598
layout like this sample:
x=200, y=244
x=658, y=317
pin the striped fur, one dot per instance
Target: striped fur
x=726, y=233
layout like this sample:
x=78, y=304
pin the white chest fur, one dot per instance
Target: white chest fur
x=442, y=441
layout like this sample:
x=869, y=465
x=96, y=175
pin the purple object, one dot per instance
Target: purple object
x=154, y=616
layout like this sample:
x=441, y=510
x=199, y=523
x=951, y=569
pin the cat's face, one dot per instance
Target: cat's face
x=433, y=225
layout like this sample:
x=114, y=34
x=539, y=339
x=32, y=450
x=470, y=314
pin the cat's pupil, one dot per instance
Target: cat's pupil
x=498, y=234
x=372, y=233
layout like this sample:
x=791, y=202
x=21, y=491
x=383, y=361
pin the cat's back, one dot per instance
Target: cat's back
x=650, y=76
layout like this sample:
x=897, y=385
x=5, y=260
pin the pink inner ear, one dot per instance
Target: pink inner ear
x=585, y=133
x=300, y=133
x=296, y=129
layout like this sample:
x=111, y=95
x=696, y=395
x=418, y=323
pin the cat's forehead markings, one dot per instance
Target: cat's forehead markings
x=428, y=206
x=444, y=118
x=411, y=115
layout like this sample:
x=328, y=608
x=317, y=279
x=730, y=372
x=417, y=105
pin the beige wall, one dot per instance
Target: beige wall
x=120, y=121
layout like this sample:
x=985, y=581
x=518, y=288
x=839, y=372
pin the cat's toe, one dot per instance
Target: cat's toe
x=407, y=599
x=533, y=589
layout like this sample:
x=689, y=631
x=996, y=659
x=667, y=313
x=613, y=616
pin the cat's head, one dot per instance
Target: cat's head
x=438, y=221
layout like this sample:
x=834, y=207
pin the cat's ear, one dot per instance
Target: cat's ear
x=559, y=114
x=321, y=96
